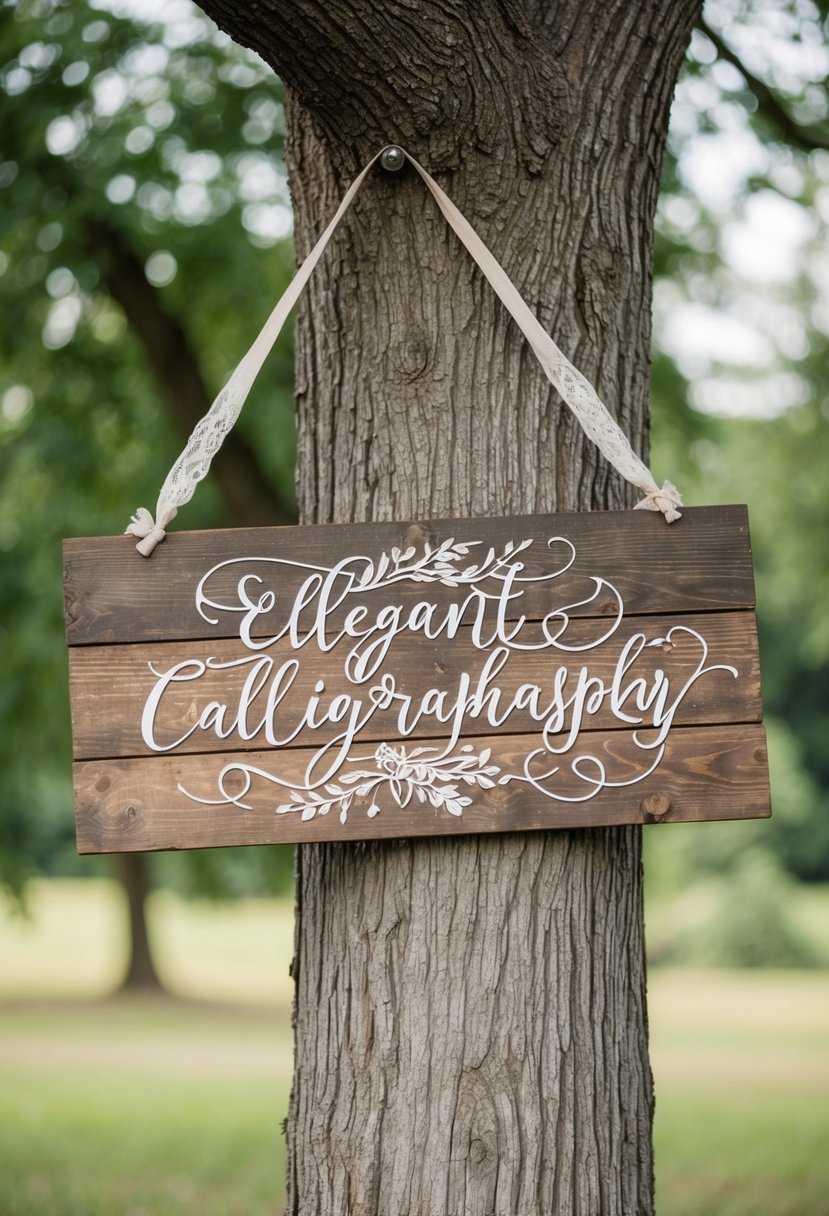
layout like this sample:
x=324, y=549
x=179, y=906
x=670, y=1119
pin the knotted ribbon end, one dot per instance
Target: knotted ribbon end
x=144, y=526
x=667, y=500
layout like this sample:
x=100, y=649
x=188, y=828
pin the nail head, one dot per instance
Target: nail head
x=392, y=158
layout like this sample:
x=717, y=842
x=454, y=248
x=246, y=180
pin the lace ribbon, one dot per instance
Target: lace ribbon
x=208, y=435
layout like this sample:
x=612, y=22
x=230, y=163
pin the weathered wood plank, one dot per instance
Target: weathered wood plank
x=702, y=563
x=706, y=773
x=549, y=671
x=110, y=684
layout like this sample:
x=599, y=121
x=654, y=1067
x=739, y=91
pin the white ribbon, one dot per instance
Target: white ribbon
x=194, y=462
x=142, y=524
x=665, y=500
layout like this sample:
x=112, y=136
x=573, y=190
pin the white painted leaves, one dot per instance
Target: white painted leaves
x=420, y=774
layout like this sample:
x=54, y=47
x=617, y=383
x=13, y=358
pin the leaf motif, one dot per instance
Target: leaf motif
x=350, y=778
x=410, y=552
x=395, y=554
x=437, y=782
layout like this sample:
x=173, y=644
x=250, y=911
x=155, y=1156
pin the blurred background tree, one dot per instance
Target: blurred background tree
x=142, y=183
x=144, y=235
x=740, y=414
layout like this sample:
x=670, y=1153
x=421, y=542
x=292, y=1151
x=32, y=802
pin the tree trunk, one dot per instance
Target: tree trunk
x=141, y=975
x=470, y=1012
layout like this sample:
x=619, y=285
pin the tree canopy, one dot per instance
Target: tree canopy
x=741, y=388
x=145, y=231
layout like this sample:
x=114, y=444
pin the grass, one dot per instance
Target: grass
x=741, y=1067
x=112, y=1107
x=141, y=1109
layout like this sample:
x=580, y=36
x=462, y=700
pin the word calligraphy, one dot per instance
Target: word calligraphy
x=452, y=676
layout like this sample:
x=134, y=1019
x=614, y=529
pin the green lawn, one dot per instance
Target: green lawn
x=741, y=1067
x=160, y=1108
x=141, y=1109
x=131, y=1107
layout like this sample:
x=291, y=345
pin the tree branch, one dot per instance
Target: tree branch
x=807, y=139
x=246, y=491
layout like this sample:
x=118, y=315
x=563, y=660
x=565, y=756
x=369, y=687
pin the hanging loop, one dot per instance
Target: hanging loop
x=575, y=390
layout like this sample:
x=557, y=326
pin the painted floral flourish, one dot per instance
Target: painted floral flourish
x=406, y=775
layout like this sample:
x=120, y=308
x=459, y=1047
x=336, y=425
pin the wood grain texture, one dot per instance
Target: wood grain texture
x=110, y=684
x=125, y=805
x=700, y=564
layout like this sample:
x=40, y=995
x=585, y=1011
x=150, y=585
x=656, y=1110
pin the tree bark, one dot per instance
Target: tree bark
x=140, y=975
x=470, y=1012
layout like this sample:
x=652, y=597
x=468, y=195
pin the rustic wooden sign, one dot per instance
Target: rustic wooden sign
x=378, y=680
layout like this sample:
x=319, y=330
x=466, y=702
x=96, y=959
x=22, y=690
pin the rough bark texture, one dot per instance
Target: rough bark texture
x=471, y=1022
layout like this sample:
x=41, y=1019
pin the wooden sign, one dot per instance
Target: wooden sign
x=378, y=680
